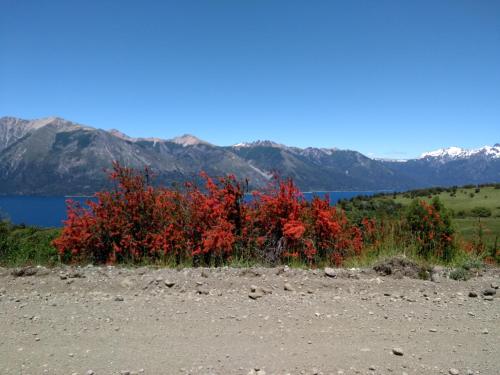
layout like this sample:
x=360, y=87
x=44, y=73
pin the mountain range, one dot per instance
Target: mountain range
x=53, y=156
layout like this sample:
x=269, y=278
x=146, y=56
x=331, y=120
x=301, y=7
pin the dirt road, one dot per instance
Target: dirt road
x=107, y=320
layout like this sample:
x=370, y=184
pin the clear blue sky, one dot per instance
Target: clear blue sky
x=387, y=78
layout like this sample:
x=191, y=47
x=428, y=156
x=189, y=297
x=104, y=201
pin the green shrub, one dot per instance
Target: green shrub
x=5, y=229
x=21, y=245
x=472, y=263
x=480, y=212
x=459, y=274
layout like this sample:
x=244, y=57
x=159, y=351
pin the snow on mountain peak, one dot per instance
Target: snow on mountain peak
x=264, y=143
x=462, y=153
x=188, y=140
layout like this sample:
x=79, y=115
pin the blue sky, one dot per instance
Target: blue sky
x=387, y=78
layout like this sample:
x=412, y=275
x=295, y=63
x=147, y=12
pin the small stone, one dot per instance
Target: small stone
x=76, y=275
x=485, y=331
x=435, y=278
x=260, y=290
x=169, y=284
x=330, y=272
x=266, y=290
x=119, y=299
x=125, y=372
x=489, y=292
x=433, y=330
x=454, y=371
x=255, y=295
x=202, y=290
x=372, y=368
x=90, y=372
x=127, y=283
x=205, y=273
x=472, y=294
x=397, y=351
x=488, y=298
x=494, y=285
x=289, y=288
x=24, y=271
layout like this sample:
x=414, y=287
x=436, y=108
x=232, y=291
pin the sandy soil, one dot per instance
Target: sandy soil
x=107, y=320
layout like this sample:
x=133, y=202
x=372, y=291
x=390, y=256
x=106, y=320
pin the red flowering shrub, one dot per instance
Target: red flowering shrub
x=334, y=236
x=214, y=218
x=136, y=222
x=275, y=220
x=130, y=223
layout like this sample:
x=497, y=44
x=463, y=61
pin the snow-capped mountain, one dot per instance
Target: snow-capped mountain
x=462, y=153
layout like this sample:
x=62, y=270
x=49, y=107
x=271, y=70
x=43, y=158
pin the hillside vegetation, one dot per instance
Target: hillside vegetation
x=475, y=210
x=471, y=207
x=213, y=225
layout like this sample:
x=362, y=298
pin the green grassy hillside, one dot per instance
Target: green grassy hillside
x=464, y=204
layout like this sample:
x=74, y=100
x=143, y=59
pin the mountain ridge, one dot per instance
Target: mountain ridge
x=54, y=156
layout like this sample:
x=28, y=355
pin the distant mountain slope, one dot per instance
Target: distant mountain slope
x=61, y=157
x=53, y=156
x=316, y=169
x=453, y=166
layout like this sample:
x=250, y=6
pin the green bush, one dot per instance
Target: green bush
x=5, y=229
x=21, y=245
x=480, y=212
x=459, y=274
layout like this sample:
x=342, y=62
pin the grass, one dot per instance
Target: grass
x=468, y=228
x=465, y=200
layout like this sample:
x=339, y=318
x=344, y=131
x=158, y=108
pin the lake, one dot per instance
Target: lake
x=51, y=211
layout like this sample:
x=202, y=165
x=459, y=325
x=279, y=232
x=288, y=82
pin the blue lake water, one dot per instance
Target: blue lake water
x=51, y=211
